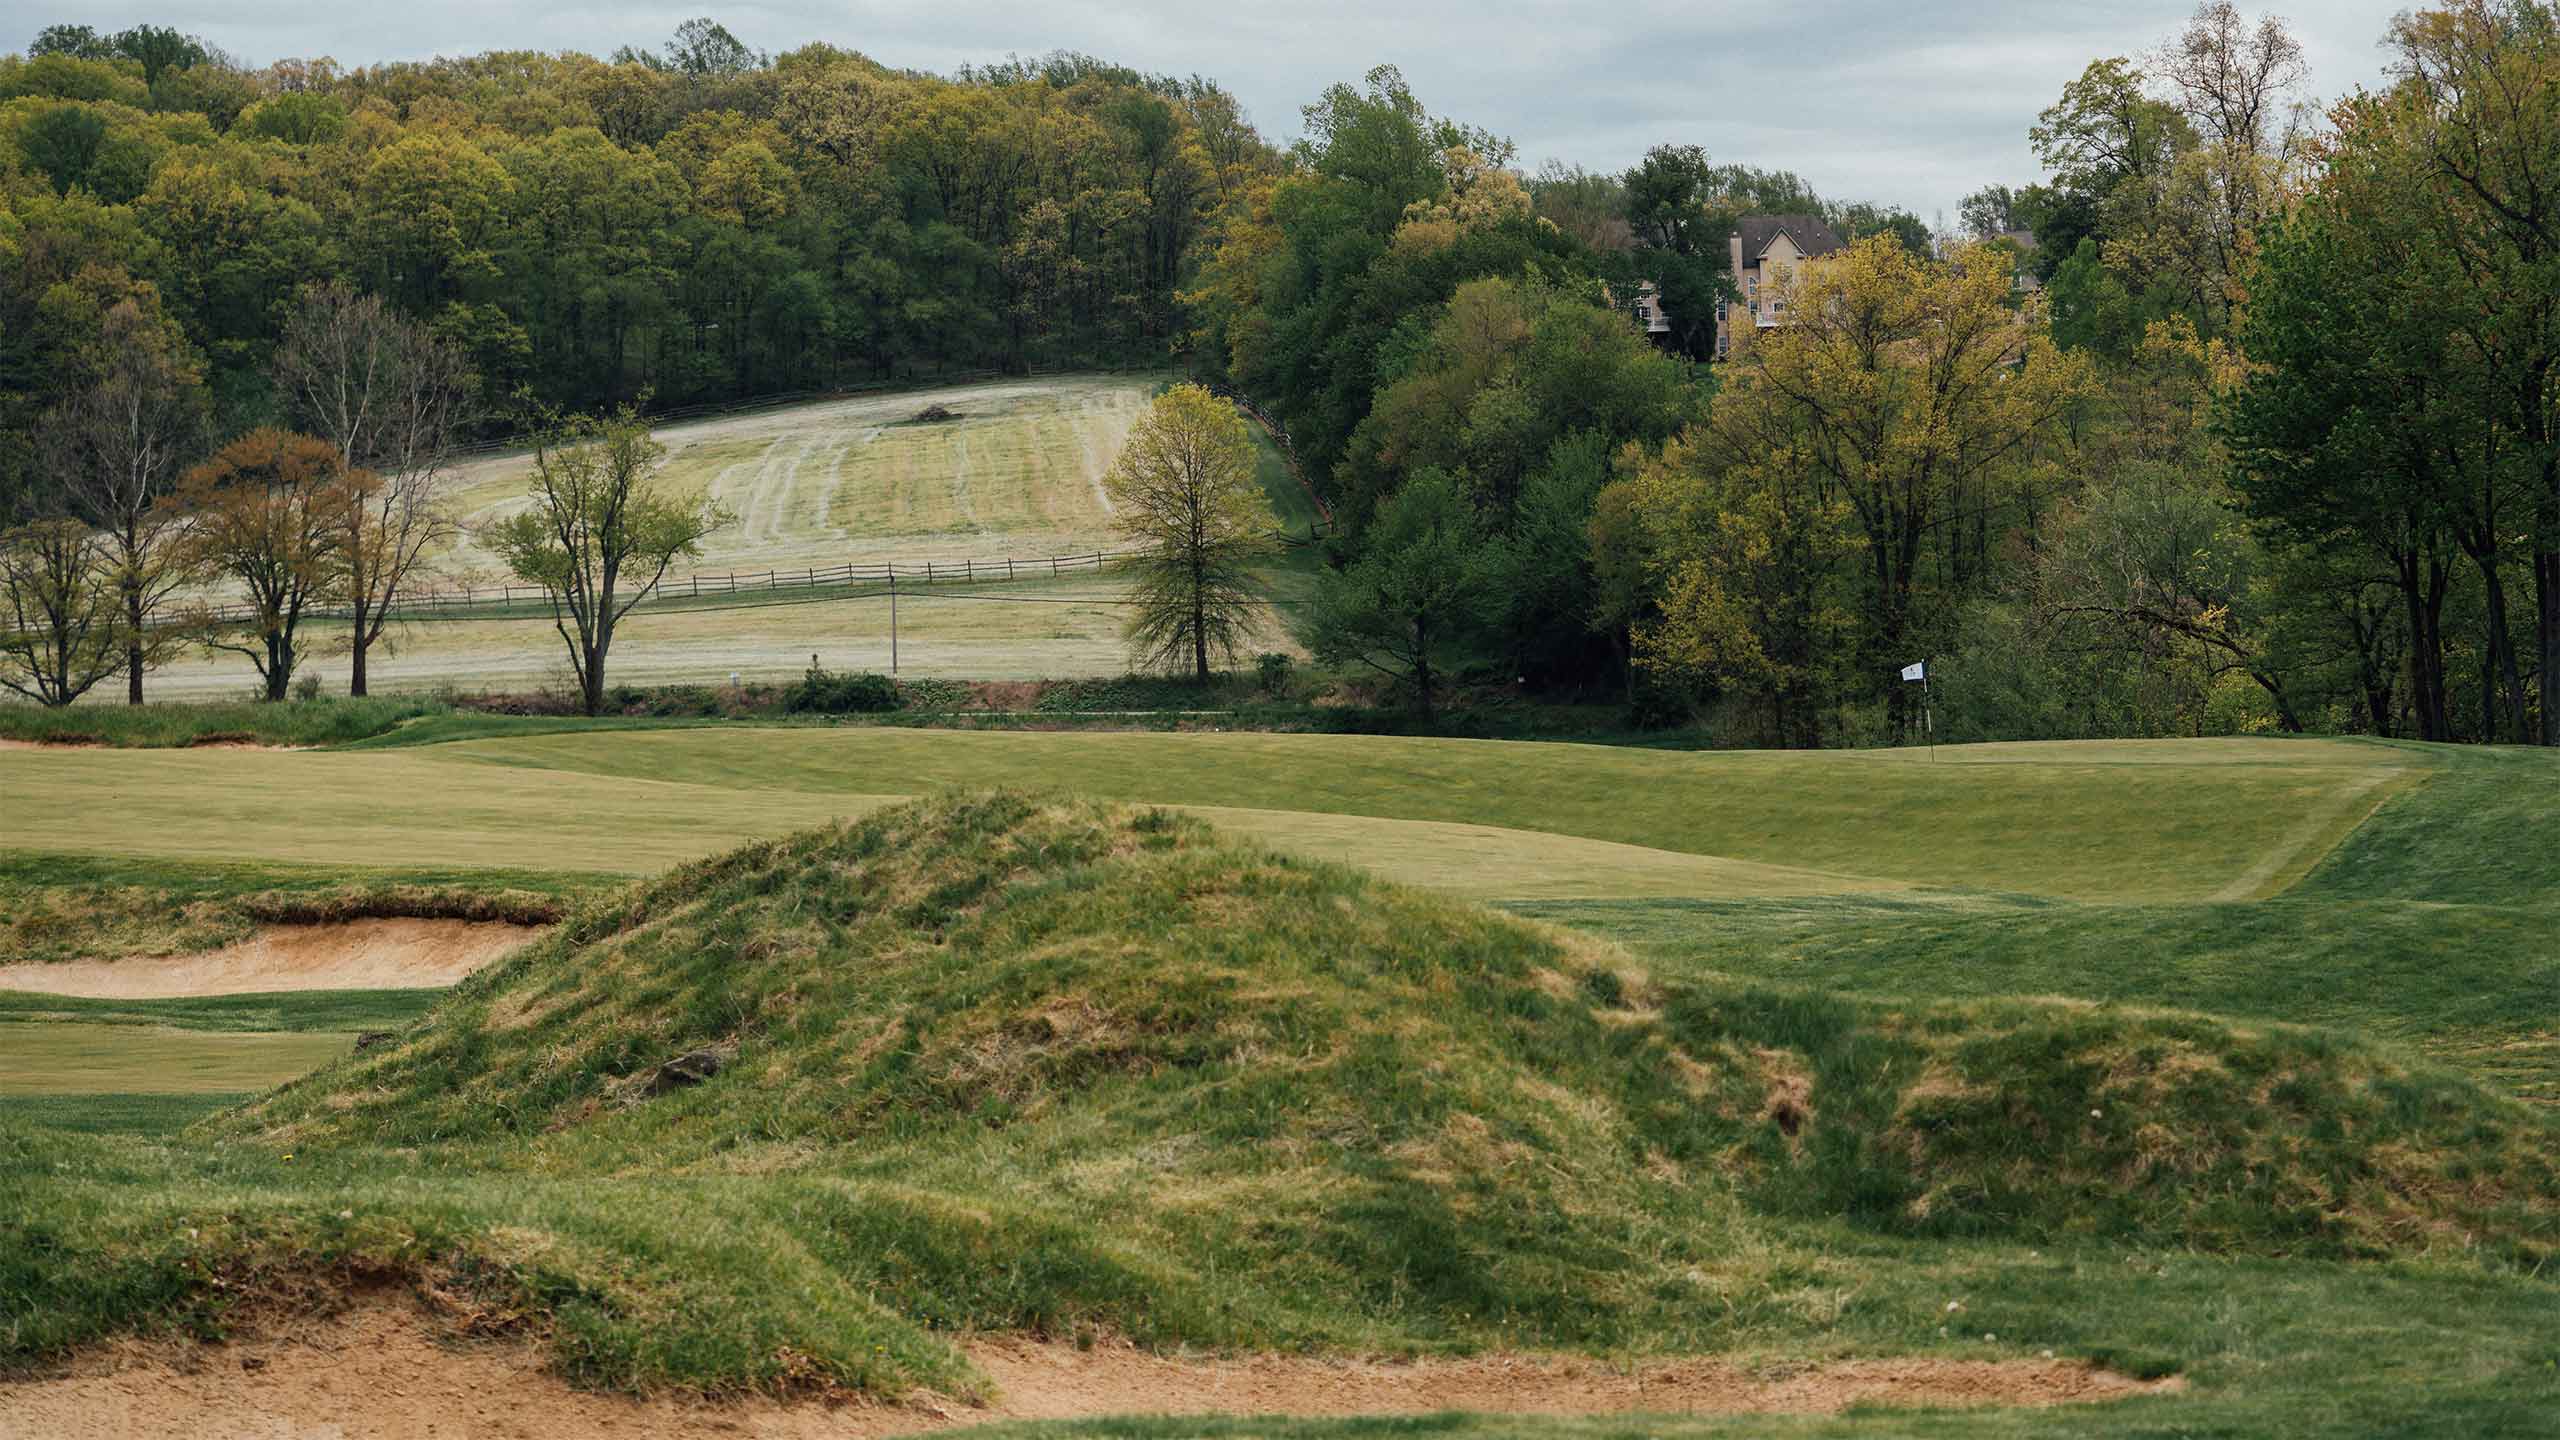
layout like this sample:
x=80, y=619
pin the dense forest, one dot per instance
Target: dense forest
x=699, y=223
x=2241, y=418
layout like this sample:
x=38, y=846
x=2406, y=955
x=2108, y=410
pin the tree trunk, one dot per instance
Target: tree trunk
x=2546, y=582
x=133, y=633
x=591, y=674
x=2371, y=675
x=1199, y=615
x=2499, y=662
x=279, y=665
x=2426, y=647
x=1422, y=663
x=360, y=643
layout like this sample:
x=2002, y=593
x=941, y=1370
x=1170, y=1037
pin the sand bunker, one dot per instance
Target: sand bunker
x=349, y=955
x=379, y=1373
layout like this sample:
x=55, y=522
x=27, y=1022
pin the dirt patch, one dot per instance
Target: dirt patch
x=381, y=1372
x=347, y=955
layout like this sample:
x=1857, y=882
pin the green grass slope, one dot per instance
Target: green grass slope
x=2435, y=922
x=996, y=1062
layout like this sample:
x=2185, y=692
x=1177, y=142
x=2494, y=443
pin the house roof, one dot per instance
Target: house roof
x=1807, y=232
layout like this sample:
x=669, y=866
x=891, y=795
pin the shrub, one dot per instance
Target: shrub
x=1272, y=669
x=1658, y=707
x=822, y=692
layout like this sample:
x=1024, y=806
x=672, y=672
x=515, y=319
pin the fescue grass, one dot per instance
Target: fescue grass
x=997, y=1062
x=1011, y=1064
x=167, y=725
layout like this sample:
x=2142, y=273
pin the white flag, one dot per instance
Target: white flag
x=1919, y=671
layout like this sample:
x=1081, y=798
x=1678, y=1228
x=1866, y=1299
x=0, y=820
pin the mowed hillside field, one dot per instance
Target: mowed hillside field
x=1015, y=475
x=2137, y=1077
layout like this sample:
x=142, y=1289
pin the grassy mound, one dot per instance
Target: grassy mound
x=994, y=1062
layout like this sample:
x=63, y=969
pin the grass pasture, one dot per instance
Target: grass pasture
x=2227, y=1059
x=1017, y=475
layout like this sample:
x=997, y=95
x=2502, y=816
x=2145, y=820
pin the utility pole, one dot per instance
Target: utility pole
x=893, y=618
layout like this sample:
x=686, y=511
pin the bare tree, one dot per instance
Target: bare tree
x=61, y=618
x=392, y=398
x=123, y=442
x=2235, y=79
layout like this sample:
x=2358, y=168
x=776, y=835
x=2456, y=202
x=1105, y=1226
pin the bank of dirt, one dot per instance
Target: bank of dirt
x=399, y=954
x=383, y=1371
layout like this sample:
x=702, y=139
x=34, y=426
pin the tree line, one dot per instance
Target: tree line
x=2240, y=419
x=697, y=221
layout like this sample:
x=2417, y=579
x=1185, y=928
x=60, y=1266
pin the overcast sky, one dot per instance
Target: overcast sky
x=1902, y=102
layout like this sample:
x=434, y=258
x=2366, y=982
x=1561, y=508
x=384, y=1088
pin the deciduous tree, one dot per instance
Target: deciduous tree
x=1185, y=490
x=269, y=511
x=1422, y=585
x=392, y=399
x=1917, y=395
x=123, y=440
x=599, y=536
x=63, y=629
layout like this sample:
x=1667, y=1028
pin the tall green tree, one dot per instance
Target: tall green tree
x=2482, y=83
x=1184, y=490
x=1421, y=588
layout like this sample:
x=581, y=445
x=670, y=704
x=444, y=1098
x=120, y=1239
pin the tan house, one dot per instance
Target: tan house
x=1763, y=250
x=1650, y=314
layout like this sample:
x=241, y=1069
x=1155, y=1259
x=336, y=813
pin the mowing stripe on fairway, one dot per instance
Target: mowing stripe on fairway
x=72, y=1058
x=218, y=803
x=2093, y=821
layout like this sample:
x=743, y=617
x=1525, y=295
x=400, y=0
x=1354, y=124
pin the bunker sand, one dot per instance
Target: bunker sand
x=382, y=1372
x=349, y=955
